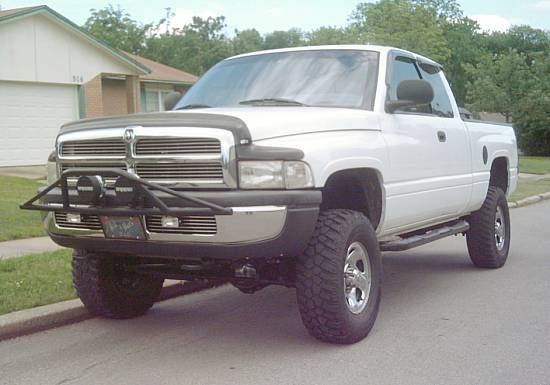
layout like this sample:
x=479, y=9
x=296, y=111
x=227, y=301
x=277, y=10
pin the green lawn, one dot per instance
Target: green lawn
x=34, y=280
x=16, y=223
x=534, y=164
x=529, y=187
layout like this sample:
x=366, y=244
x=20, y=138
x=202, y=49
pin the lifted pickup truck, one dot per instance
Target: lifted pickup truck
x=294, y=167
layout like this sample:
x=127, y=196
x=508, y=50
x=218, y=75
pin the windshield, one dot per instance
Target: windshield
x=322, y=78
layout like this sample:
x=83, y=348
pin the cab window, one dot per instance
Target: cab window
x=441, y=105
x=404, y=68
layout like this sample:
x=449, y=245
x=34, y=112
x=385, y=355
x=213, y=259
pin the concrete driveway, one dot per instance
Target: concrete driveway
x=442, y=321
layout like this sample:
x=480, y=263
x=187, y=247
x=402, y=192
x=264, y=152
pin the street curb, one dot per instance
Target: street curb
x=29, y=321
x=529, y=200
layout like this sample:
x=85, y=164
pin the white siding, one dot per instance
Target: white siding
x=39, y=48
x=30, y=117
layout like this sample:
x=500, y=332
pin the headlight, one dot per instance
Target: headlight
x=274, y=175
x=51, y=168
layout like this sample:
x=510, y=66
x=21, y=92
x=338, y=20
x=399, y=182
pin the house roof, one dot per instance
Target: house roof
x=163, y=73
x=12, y=14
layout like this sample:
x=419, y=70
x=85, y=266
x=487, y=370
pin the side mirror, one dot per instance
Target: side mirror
x=171, y=100
x=411, y=93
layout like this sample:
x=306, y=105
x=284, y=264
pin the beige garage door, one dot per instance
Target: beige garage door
x=30, y=117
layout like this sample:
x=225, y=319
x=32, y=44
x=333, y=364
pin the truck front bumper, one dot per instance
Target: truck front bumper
x=263, y=224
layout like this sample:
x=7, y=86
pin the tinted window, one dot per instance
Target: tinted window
x=332, y=78
x=441, y=105
x=404, y=69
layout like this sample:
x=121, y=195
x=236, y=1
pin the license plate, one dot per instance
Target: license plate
x=123, y=227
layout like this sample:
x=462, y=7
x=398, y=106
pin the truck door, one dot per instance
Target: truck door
x=429, y=176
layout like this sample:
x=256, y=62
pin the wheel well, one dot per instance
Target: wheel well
x=499, y=174
x=357, y=189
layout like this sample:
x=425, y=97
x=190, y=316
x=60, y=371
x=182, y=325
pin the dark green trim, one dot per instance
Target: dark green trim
x=143, y=97
x=81, y=102
x=45, y=9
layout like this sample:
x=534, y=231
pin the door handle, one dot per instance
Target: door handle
x=441, y=136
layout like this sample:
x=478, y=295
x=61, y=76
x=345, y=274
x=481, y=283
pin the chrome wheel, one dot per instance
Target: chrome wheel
x=357, y=277
x=500, y=229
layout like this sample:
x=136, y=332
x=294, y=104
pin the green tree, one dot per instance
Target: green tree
x=446, y=10
x=522, y=38
x=499, y=82
x=532, y=113
x=462, y=35
x=194, y=47
x=115, y=27
x=282, y=39
x=248, y=40
x=403, y=24
x=331, y=35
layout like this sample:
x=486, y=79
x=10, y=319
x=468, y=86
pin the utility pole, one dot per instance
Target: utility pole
x=168, y=15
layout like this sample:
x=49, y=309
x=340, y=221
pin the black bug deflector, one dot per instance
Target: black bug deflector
x=144, y=190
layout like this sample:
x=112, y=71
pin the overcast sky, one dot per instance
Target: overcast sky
x=270, y=15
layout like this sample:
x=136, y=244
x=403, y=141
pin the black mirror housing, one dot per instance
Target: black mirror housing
x=411, y=93
x=171, y=100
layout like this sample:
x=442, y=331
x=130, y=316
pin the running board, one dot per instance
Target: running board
x=430, y=236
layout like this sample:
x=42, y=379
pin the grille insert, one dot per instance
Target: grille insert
x=87, y=222
x=188, y=171
x=97, y=147
x=177, y=146
x=189, y=225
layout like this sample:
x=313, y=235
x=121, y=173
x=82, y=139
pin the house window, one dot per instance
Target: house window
x=154, y=99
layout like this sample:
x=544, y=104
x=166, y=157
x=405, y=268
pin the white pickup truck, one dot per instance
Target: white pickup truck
x=294, y=167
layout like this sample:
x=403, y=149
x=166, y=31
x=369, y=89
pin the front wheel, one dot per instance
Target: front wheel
x=338, y=279
x=489, y=235
x=108, y=288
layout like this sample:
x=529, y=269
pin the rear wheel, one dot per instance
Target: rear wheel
x=489, y=235
x=108, y=288
x=338, y=279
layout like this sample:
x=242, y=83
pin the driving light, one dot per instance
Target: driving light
x=170, y=222
x=73, y=218
x=90, y=188
x=274, y=175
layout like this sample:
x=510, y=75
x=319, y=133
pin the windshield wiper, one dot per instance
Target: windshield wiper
x=273, y=102
x=191, y=106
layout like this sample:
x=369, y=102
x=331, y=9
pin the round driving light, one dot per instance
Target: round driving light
x=125, y=190
x=90, y=188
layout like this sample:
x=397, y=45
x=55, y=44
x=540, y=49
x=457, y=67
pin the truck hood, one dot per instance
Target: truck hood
x=254, y=123
x=271, y=122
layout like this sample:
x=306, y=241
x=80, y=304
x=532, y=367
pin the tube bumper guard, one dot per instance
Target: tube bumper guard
x=247, y=224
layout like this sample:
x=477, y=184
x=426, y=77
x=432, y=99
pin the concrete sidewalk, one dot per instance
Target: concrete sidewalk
x=19, y=247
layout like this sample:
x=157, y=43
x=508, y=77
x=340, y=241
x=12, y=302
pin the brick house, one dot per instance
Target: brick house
x=52, y=71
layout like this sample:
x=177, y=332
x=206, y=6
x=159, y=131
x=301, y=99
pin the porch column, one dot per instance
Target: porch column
x=132, y=94
x=93, y=94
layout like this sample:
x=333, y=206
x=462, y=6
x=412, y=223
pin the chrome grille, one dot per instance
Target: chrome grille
x=97, y=147
x=187, y=172
x=87, y=222
x=177, y=146
x=108, y=180
x=190, y=225
x=195, y=157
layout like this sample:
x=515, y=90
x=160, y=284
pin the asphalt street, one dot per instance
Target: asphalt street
x=442, y=321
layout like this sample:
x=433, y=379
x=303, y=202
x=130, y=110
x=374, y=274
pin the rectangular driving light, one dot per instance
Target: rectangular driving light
x=73, y=218
x=170, y=222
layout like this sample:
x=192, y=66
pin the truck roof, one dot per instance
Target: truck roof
x=363, y=47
